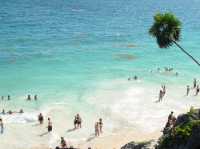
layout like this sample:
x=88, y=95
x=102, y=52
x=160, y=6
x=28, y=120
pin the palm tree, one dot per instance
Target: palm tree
x=166, y=29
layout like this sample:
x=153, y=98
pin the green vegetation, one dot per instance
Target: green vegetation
x=180, y=134
x=167, y=29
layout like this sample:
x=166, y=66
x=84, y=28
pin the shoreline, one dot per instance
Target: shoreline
x=119, y=127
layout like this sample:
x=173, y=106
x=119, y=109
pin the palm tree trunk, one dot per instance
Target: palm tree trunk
x=187, y=53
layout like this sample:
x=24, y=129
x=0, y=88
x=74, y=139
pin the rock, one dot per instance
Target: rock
x=141, y=145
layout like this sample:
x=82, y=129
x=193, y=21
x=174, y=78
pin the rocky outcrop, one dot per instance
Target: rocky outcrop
x=185, y=133
x=141, y=145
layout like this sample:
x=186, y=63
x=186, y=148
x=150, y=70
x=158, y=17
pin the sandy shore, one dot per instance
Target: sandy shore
x=116, y=141
x=33, y=136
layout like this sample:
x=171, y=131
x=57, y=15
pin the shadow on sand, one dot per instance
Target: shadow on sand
x=92, y=137
x=43, y=134
x=70, y=130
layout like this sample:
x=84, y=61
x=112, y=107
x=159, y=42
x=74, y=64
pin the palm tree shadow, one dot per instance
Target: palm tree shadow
x=70, y=130
x=43, y=134
x=92, y=137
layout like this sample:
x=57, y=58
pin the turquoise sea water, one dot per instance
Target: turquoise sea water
x=62, y=49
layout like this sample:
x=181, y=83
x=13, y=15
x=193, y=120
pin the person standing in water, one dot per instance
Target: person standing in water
x=197, y=90
x=160, y=96
x=195, y=83
x=49, y=127
x=8, y=97
x=96, y=127
x=101, y=125
x=29, y=97
x=35, y=97
x=164, y=90
x=40, y=118
x=1, y=126
x=188, y=90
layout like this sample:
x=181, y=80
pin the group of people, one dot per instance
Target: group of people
x=8, y=97
x=35, y=97
x=134, y=78
x=162, y=93
x=195, y=86
x=12, y=112
x=29, y=97
x=77, y=125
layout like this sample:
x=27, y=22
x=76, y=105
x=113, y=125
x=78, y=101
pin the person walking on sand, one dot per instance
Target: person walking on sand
x=96, y=127
x=49, y=127
x=101, y=125
x=188, y=90
x=1, y=126
x=195, y=83
x=40, y=118
x=197, y=90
